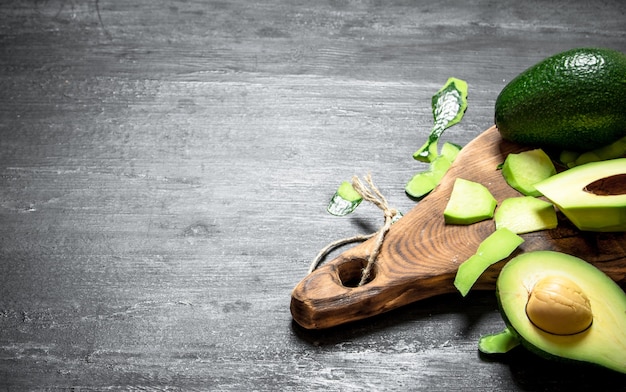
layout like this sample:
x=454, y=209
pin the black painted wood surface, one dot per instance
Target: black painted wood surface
x=164, y=172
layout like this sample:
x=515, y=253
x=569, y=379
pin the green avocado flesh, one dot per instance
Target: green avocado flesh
x=574, y=100
x=496, y=247
x=523, y=170
x=602, y=343
x=470, y=202
x=498, y=343
x=424, y=182
x=592, y=196
x=525, y=214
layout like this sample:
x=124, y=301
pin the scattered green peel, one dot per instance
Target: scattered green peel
x=525, y=214
x=470, y=202
x=523, y=170
x=424, y=182
x=345, y=200
x=498, y=246
x=448, y=106
x=498, y=343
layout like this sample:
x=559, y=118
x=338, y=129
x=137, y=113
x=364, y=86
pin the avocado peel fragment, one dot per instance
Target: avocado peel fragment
x=496, y=247
x=498, y=343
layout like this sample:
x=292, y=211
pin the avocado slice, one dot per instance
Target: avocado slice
x=560, y=306
x=424, y=182
x=469, y=202
x=496, y=247
x=525, y=214
x=592, y=196
x=523, y=170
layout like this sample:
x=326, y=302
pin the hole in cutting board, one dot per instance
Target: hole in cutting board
x=350, y=272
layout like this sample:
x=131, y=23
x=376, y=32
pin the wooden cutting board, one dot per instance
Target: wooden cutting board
x=420, y=254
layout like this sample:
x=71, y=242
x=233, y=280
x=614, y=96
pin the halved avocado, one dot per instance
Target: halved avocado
x=561, y=306
x=592, y=196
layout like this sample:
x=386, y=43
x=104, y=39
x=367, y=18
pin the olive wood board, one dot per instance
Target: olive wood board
x=420, y=253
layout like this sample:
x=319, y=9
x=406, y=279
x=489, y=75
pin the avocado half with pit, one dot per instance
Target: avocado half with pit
x=592, y=196
x=560, y=306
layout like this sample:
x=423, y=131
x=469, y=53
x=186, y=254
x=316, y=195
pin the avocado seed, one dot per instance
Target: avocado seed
x=558, y=306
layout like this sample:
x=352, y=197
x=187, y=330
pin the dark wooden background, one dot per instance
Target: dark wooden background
x=165, y=168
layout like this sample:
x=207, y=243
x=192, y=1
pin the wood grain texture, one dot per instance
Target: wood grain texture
x=165, y=166
x=421, y=254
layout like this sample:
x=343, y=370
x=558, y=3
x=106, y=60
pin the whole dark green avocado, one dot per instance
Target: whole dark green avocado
x=574, y=100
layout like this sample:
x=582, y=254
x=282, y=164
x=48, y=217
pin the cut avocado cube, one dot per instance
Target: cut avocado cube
x=525, y=214
x=591, y=196
x=470, y=202
x=523, y=170
x=498, y=246
x=570, y=290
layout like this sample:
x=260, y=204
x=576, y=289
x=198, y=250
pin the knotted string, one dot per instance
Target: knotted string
x=372, y=194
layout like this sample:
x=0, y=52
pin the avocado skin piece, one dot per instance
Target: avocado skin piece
x=574, y=100
x=602, y=344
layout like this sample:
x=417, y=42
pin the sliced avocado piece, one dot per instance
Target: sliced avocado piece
x=421, y=184
x=614, y=150
x=523, y=170
x=498, y=343
x=439, y=166
x=561, y=306
x=592, y=196
x=450, y=150
x=525, y=214
x=496, y=247
x=470, y=202
x=424, y=182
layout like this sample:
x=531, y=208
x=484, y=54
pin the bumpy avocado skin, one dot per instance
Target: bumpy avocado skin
x=603, y=344
x=574, y=100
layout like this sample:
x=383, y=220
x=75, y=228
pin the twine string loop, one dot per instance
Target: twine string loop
x=370, y=192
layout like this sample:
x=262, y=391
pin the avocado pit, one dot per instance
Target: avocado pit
x=608, y=186
x=558, y=306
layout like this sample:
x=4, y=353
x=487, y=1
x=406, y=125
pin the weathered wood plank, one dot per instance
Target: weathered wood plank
x=164, y=169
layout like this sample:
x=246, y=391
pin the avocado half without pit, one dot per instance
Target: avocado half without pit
x=558, y=305
x=592, y=196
